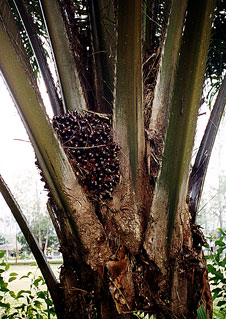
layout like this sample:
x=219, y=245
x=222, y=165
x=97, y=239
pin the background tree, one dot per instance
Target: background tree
x=132, y=245
x=45, y=234
x=212, y=211
x=212, y=207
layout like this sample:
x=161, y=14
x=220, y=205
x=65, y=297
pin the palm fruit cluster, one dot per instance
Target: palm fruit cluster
x=94, y=156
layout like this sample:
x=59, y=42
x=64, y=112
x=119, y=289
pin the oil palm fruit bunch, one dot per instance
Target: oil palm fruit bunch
x=88, y=142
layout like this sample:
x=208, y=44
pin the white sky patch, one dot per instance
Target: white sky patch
x=17, y=161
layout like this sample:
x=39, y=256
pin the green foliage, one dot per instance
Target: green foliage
x=201, y=313
x=30, y=304
x=143, y=315
x=216, y=269
x=217, y=51
x=216, y=63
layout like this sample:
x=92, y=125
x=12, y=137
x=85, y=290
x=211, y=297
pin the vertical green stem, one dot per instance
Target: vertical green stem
x=185, y=103
x=73, y=95
x=168, y=67
x=200, y=166
x=128, y=106
x=40, y=56
x=101, y=60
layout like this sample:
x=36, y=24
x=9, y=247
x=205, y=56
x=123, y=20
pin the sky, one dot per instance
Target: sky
x=13, y=151
x=17, y=163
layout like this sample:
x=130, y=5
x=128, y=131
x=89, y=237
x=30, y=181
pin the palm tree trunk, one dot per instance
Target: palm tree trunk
x=137, y=251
